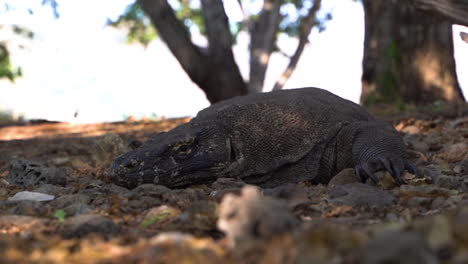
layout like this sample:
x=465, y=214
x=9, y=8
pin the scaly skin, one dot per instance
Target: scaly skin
x=268, y=139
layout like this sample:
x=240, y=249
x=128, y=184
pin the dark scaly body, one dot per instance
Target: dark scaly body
x=267, y=139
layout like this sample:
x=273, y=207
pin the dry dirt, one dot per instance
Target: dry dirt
x=73, y=214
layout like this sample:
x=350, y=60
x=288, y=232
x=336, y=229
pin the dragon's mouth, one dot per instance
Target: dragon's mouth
x=132, y=179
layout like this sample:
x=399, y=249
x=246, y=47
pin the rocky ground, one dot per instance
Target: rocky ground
x=57, y=205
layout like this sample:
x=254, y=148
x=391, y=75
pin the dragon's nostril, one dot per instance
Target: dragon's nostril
x=130, y=164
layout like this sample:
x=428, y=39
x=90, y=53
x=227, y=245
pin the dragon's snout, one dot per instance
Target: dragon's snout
x=123, y=165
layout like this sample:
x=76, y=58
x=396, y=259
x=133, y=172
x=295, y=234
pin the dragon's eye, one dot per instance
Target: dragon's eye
x=184, y=149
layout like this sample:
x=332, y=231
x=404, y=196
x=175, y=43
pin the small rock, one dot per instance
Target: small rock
x=151, y=190
x=457, y=122
x=172, y=237
x=391, y=217
x=432, y=191
x=344, y=177
x=109, y=146
x=359, y=194
x=437, y=203
x=253, y=216
x=19, y=220
x=159, y=216
x=69, y=199
x=52, y=189
x=83, y=225
x=31, y=196
x=464, y=184
x=30, y=173
x=60, y=161
x=292, y=193
x=439, y=234
x=461, y=167
x=454, y=153
x=411, y=129
x=200, y=216
x=78, y=164
x=415, y=202
x=147, y=196
x=449, y=182
x=432, y=172
x=386, y=180
x=218, y=195
x=320, y=241
x=460, y=228
x=183, y=198
x=175, y=247
x=398, y=247
x=32, y=208
x=421, y=146
x=227, y=183
x=77, y=209
x=115, y=189
x=21, y=224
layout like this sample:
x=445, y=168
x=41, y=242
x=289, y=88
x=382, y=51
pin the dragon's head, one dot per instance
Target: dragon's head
x=189, y=154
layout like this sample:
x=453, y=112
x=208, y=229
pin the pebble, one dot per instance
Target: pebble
x=31, y=173
x=32, y=208
x=200, y=216
x=52, y=189
x=415, y=202
x=69, y=199
x=359, y=194
x=293, y=194
x=83, y=225
x=31, y=196
x=411, y=129
x=449, y=182
x=344, y=177
x=398, y=247
x=252, y=216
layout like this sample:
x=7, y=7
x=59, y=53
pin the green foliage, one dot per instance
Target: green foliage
x=6, y=116
x=60, y=215
x=190, y=13
x=294, y=12
x=6, y=69
x=22, y=31
x=140, y=29
x=138, y=25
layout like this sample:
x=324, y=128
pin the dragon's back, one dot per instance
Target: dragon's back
x=282, y=126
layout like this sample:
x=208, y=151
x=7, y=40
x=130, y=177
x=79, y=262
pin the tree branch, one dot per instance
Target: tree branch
x=175, y=35
x=306, y=26
x=217, y=28
x=245, y=16
x=262, y=41
x=456, y=11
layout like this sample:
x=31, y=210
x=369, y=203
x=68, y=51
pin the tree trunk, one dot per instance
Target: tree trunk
x=306, y=26
x=408, y=55
x=216, y=73
x=262, y=41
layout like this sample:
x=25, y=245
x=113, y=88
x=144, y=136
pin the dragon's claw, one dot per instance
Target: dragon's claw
x=395, y=166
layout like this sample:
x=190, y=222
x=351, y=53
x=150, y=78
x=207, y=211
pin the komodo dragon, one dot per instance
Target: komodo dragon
x=268, y=139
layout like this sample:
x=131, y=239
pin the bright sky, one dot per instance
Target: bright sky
x=78, y=64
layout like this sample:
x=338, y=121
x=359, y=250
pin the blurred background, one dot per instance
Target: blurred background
x=94, y=61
